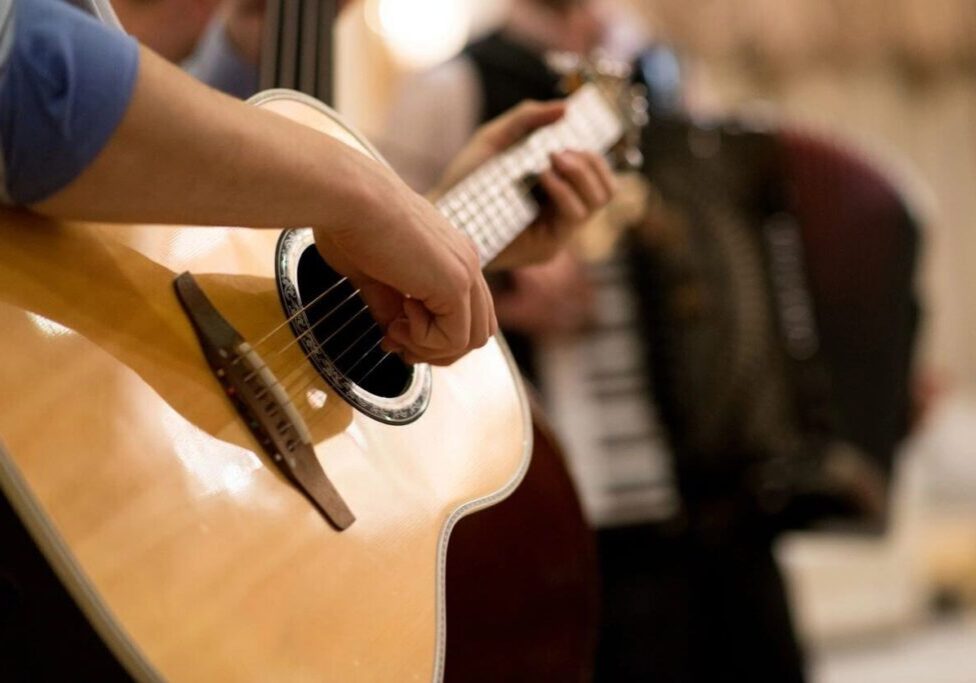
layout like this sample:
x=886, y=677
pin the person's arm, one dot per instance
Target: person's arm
x=185, y=154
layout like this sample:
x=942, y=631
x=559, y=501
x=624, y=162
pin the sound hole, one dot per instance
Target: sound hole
x=346, y=332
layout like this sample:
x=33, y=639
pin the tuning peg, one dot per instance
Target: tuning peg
x=609, y=67
x=633, y=158
x=563, y=63
x=626, y=156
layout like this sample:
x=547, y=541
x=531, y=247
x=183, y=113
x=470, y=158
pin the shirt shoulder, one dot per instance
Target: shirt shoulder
x=66, y=84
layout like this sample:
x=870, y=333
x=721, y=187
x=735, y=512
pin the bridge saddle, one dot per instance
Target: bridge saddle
x=265, y=408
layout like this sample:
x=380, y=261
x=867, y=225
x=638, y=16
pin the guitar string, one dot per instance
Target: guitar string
x=295, y=393
x=481, y=204
x=301, y=364
x=305, y=406
x=487, y=228
x=303, y=309
x=285, y=381
x=255, y=345
x=555, y=135
x=370, y=371
x=469, y=200
x=312, y=417
x=477, y=204
x=310, y=329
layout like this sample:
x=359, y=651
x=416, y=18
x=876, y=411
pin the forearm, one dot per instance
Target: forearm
x=184, y=153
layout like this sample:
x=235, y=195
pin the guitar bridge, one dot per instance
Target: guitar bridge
x=256, y=394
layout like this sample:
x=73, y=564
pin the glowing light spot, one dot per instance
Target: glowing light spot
x=49, y=327
x=215, y=466
x=316, y=398
x=422, y=33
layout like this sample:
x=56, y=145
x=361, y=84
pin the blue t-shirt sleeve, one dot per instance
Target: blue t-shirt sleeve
x=64, y=88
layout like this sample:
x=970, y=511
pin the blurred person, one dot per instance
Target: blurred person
x=228, y=53
x=171, y=28
x=679, y=603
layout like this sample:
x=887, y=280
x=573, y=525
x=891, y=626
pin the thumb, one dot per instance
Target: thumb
x=384, y=302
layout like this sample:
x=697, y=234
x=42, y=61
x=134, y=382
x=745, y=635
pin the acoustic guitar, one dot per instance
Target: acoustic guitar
x=232, y=480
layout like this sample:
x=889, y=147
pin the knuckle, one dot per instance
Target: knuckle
x=549, y=251
x=559, y=191
x=571, y=161
x=464, y=342
x=459, y=278
x=471, y=260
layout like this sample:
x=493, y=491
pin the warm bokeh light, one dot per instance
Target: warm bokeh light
x=421, y=33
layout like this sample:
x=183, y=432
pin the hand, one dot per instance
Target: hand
x=578, y=183
x=552, y=298
x=419, y=275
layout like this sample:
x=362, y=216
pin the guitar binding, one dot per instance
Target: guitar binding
x=339, y=338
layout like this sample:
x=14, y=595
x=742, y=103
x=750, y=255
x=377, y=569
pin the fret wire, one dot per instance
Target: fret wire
x=495, y=219
x=475, y=227
x=495, y=240
x=586, y=125
x=499, y=220
x=461, y=216
x=480, y=219
x=489, y=206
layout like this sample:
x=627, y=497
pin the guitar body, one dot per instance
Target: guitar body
x=187, y=549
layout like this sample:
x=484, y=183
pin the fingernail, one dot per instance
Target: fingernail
x=390, y=346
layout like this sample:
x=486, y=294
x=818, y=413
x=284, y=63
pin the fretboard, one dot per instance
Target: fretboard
x=494, y=204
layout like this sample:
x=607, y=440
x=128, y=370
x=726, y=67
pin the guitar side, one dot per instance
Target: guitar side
x=187, y=549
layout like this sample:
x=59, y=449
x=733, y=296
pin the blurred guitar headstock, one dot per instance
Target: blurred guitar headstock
x=614, y=79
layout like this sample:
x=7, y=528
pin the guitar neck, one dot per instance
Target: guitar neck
x=494, y=204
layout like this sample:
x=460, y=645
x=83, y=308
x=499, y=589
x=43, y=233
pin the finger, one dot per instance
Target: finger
x=604, y=173
x=479, y=317
x=492, y=316
x=515, y=124
x=384, y=302
x=396, y=332
x=384, y=305
x=580, y=172
x=481, y=313
x=568, y=207
x=445, y=333
x=401, y=342
x=419, y=334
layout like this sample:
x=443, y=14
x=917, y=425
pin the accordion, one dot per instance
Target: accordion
x=774, y=270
